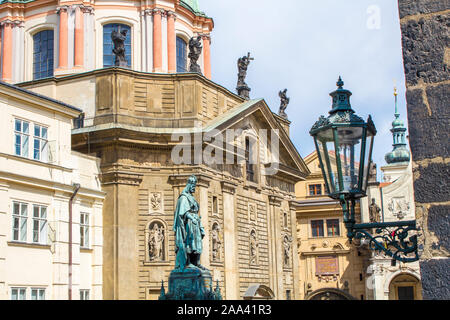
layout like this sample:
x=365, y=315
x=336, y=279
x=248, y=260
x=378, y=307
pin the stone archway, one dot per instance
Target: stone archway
x=258, y=292
x=329, y=294
x=405, y=286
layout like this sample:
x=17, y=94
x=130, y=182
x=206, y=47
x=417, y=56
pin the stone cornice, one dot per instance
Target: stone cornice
x=275, y=200
x=228, y=187
x=121, y=177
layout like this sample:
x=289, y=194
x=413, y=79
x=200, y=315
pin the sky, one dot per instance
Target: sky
x=304, y=46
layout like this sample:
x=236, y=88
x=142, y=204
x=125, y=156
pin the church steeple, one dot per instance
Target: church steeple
x=400, y=153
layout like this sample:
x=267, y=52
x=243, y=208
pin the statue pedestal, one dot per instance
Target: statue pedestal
x=243, y=91
x=190, y=284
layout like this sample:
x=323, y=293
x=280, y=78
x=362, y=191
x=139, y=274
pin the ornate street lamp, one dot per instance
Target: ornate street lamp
x=344, y=145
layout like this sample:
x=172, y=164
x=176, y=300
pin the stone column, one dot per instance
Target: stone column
x=207, y=56
x=294, y=248
x=63, y=38
x=79, y=38
x=148, y=41
x=171, y=42
x=230, y=242
x=7, y=51
x=97, y=250
x=157, y=40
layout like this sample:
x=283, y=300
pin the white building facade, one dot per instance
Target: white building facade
x=392, y=200
x=50, y=203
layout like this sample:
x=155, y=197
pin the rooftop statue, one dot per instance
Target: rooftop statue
x=242, y=88
x=118, y=38
x=284, y=103
x=195, y=50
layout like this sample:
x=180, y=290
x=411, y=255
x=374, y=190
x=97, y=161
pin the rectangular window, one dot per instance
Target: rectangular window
x=248, y=165
x=315, y=189
x=40, y=143
x=215, y=206
x=317, y=228
x=37, y=294
x=84, y=294
x=18, y=293
x=21, y=132
x=19, y=223
x=84, y=230
x=333, y=227
x=39, y=224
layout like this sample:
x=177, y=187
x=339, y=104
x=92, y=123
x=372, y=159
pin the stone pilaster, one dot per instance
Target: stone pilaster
x=230, y=241
x=276, y=249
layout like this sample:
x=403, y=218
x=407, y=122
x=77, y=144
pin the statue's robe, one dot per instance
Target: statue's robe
x=188, y=235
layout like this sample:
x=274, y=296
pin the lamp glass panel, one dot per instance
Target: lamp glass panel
x=349, y=142
x=367, y=160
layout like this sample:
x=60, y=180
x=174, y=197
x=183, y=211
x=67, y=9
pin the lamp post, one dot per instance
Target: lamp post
x=344, y=144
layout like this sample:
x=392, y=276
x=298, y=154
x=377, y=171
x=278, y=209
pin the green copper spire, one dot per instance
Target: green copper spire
x=400, y=153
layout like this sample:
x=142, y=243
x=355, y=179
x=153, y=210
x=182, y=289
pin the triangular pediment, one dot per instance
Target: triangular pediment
x=254, y=115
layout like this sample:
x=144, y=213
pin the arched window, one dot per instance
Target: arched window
x=43, y=54
x=181, y=55
x=108, y=45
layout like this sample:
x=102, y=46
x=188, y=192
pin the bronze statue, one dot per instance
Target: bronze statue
x=188, y=229
x=284, y=103
x=374, y=212
x=118, y=38
x=195, y=50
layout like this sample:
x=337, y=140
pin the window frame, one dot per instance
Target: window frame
x=84, y=294
x=24, y=136
x=84, y=230
x=43, y=154
x=317, y=189
x=337, y=224
x=50, y=61
x=22, y=221
x=18, y=288
x=179, y=54
x=314, y=228
x=38, y=291
x=42, y=224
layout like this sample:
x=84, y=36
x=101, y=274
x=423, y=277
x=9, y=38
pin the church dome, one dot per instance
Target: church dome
x=400, y=154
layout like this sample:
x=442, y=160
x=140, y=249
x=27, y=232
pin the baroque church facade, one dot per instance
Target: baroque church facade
x=136, y=118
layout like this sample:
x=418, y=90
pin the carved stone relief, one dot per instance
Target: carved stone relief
x=398, y=207
x=252, y=211
x=155, y=202
x=216, y=238
x=287, y=251
x=156, y=242
x=253, y=248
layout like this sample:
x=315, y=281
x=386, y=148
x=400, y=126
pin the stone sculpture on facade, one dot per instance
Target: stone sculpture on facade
x=156, y=243
x=195, y=50
x=216, y=242
x=118, y=38
x=283, y=104
x=374, y=212
x=373, y=172
x=189, y=280
x=253, y=248
x=242, y=88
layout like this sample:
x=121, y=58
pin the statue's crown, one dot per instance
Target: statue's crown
x=192, y=179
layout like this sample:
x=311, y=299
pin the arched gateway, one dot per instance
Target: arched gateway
x=329, y=294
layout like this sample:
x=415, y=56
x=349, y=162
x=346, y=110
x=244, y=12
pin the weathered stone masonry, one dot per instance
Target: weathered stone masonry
x=426, y=58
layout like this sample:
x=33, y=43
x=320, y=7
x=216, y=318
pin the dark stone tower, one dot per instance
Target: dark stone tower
x=426, y=58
